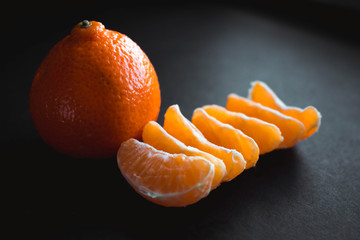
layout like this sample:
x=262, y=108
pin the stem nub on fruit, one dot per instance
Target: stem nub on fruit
x=85, y=24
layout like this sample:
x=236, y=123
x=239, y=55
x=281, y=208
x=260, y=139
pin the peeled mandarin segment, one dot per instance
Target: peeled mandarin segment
x=226, y=136
x=310, y=117
x=172, y=180
x=261, y=93
x=291, y=129
x=182, y=129
x=154, y=135
x=266, y=135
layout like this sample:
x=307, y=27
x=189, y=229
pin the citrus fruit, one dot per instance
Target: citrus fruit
x=291, y=129
x=266, y=135
x=154, y=135
x=225, y=135
x=182, y=129
x=261, y=93
x=172, y=180
x=95, y=89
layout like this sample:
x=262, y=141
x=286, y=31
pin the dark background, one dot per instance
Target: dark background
x=307, y=51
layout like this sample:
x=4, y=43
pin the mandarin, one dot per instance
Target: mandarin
x=181, y=128
x=261, y=93
x=156, y=136
x=291, y=129
x=95, y=89
x=172, y=180
x=266, y=135
x=227, y=136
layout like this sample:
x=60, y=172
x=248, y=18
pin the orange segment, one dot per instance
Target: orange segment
x=261, y=93
x=182, y=129
x=163, y=178
x=227, y=136
x=154, y=135
x=266, y=135
x=291, y=129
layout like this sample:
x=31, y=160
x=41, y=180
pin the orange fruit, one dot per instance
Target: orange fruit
x=95, y=89
x=291, y=129
x=226, y=136
x=182, y=129
x=154, y=135
x=261, y=93
x=266, y=135
x=172, y=180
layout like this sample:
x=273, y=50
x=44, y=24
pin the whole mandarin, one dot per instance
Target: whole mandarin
x=95, y=89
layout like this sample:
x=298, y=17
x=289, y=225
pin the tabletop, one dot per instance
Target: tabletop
x=201, y=54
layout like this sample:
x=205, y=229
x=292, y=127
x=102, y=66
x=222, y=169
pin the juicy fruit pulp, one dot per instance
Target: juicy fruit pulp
x=222, y=137
x=94, y=89
x=261, y=93
x=291, y=129
x=266, y=135
x=181, y=128
x=226, y=136
x=156, y=136
x=163, y=178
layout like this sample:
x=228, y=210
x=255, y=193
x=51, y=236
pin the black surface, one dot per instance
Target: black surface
x=201, y=54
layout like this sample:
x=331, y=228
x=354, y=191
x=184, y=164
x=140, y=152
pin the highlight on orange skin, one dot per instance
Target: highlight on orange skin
x=172, y=180
x=154, y=135
x=291, y=129
x=261, y=93
x=182, y=129
x=226, y=136
x=266, y=135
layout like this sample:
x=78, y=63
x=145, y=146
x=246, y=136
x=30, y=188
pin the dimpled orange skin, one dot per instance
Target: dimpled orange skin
x=95, y=89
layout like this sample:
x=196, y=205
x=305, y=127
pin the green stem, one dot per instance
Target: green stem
x=85, y=24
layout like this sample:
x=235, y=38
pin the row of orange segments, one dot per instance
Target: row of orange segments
x=180, y=163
